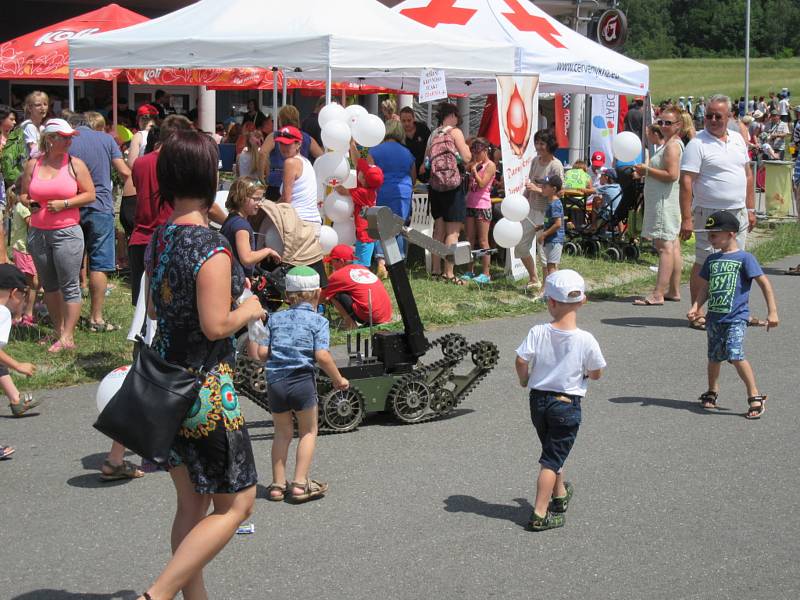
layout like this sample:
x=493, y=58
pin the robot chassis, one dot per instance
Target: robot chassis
x=392, y=379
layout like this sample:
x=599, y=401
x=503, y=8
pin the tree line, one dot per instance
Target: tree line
x=711, y=28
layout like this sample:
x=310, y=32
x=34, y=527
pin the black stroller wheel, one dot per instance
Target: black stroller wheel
x=631, y=252
x=612, y=253
x=592, y=248
x=572, y=249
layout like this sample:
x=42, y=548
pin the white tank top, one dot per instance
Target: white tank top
x=304, y=193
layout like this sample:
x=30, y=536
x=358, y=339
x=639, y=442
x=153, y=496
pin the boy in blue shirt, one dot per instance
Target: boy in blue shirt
x=610, y=195
x=551, y=234
x=298, y=338
x=727, y=276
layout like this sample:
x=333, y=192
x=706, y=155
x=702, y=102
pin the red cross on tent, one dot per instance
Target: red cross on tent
x=440, y=12
x=524, y=21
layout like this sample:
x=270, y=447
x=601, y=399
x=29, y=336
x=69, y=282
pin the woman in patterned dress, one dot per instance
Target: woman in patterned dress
x=193, y=283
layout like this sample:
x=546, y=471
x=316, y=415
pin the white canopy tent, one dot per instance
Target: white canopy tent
x=350, y=40
x=565, y=60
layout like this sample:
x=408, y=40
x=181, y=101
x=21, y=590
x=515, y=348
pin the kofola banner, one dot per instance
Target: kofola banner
x=518, y=118
x=605, y=113
x=563, y=108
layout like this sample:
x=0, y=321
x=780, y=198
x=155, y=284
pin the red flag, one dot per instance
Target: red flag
x=623, y=111
x=490, y=126
x=563, y=112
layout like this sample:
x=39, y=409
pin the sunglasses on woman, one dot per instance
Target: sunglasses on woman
x=663, y=123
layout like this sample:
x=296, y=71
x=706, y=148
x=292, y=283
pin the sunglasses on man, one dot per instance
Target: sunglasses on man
x=715, y=117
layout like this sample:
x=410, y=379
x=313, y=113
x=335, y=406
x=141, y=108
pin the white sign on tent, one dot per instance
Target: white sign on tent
x=432, y=85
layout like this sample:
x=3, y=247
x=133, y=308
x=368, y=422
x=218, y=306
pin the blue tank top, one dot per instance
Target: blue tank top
x=275, y=177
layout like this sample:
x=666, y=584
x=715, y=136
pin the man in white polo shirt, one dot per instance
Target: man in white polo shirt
x=715, y=175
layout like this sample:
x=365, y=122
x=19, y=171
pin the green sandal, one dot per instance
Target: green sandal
x=559, y=505
x=550, y=521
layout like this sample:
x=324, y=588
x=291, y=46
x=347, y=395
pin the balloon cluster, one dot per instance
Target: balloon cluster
x=508, y=230
x=338, y=125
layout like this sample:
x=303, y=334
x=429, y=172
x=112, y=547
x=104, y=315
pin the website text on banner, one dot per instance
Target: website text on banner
x=518, y=116
x=605, y=112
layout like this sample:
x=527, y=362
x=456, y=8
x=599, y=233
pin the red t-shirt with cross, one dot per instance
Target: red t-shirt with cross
x=357, y=282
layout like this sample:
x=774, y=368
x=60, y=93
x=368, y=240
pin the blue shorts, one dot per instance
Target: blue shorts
x=297, y=391
x=725, y=340
x=100, y=239
x=556, y=418
x=363, y=253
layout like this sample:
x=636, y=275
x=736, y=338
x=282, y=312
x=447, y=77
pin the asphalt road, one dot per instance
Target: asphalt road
x=671, y=502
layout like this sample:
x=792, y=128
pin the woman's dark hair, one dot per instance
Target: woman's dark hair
x=187, y=167
x=548, y=139
x=444, y=110
x=5, y=110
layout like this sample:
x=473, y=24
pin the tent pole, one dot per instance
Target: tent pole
x=285, y=85
x=114, y=101
x=71, y=86
x=274, y=99
x=328, y=85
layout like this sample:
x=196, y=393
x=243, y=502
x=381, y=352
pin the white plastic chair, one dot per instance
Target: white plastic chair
x=422, y=221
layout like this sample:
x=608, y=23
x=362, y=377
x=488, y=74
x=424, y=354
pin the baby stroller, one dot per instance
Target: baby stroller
x=611, y=237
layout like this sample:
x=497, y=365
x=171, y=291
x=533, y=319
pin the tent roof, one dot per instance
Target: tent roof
x=565, y=60
x=44, y=54
x=356, y=39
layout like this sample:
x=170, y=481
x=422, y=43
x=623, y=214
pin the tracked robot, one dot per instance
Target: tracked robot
x=401, y=373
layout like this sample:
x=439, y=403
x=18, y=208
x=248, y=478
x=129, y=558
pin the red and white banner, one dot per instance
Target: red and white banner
x=563, y=104
x=518, y=119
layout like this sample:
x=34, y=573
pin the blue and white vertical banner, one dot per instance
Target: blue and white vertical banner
x=605, y=116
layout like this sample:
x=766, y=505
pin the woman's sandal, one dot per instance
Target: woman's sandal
x=103, y=327
x=280, y=489
x=699, y=323
x=311, y=489
x=454, y=280
x=126, y=470
x=757, y=407
x=708, y=400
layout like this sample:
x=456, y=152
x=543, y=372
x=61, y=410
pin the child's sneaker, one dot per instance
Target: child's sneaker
x=550, y=521
x=559, y=505
x=482, y=279
x=26, y=402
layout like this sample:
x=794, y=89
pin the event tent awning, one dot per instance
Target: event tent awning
x=357, y=40
x=565, y=60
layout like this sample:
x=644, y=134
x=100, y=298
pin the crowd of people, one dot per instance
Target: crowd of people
x=58, y=183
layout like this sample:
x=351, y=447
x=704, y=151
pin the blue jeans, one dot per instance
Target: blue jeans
x=556, y=418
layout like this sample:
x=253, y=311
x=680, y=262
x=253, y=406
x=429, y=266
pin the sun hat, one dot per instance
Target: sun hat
x=722, y=220
x=565, y=286
x=59, y=126
x=11, y=278
x=302, y=279
x=288, y=135
x=758, y=114
x=341, y=252
x=146, y=110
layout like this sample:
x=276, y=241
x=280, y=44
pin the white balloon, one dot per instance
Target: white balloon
x=353, y=113
x=352, y=180
x=507, y=233
x=332, y=112
x=346, y=232
x=328, y=238
x=515, y=207
x=338, y=207
x=626, y=146
x=336, y=136
x=369, y=131
x=110, y=385
x=332, y=168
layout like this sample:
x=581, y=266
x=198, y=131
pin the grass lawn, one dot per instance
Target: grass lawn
x=671, y=78
x=440, y=305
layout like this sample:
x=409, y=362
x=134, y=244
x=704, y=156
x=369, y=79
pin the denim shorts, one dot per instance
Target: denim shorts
x=556, y=418
x=725, y=340
x=100, y=239
x=296, y=392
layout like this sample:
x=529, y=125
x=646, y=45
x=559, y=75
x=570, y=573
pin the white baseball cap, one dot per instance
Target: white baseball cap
x=59, y=126
x=302, y=279
x=565, y=286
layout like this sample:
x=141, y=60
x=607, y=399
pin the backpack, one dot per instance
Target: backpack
x=13, y=156
x=445, y=175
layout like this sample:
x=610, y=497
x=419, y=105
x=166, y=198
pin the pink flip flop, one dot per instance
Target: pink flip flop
x=59, y=346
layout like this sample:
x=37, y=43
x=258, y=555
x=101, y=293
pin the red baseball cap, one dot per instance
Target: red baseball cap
x=288, y=135
x=373, y=174
x=598, y=159
x=341, y=252
x=147, y=110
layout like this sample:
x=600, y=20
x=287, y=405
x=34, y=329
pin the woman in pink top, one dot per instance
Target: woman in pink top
x=479, y=204
x=54, y=187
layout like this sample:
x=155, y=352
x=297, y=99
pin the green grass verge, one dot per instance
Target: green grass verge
x=440, y=305
x=672, y=78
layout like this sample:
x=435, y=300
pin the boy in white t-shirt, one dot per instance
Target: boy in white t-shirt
x=13, y=288
x=563, y=357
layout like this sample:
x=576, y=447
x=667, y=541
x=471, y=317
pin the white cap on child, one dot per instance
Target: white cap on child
x=565, y=286
x=302, y=279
